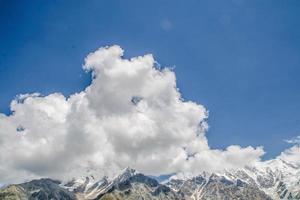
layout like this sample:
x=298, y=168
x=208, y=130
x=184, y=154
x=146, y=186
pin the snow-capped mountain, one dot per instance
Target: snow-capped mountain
x=271, y=180
x=216, y=186
x=129, y=184
x=278, y=178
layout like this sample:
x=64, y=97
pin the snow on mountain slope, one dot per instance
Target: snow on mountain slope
x=277, y=178
x=271, y=180
x=131, y=184
x=88, y=188
x=216, y=186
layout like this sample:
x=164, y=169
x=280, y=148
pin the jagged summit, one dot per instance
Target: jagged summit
x=125, y=174
x=272, y=180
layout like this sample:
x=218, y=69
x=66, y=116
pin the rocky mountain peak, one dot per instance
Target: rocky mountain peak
x=271, y=180
x=124, y=175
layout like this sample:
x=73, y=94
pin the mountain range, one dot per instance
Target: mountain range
x=271, y=180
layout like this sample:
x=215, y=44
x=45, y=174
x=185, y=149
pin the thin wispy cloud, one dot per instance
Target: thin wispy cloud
x=295, y=140
x=166, y=24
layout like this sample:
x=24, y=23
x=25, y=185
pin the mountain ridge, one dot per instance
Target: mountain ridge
x=273, y=180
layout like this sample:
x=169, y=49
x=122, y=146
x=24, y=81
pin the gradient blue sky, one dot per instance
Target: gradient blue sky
x=240, y=59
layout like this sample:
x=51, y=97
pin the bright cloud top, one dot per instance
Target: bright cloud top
x=132, y=114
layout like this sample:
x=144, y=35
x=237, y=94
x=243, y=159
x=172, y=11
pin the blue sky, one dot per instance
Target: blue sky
x=240, y=59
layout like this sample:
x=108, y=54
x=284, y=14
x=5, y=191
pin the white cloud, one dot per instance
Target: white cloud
x=291, y=155
x=132, y=114
x=295, y=140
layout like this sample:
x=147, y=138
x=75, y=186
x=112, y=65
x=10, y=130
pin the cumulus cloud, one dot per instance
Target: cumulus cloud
x=132, y=114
